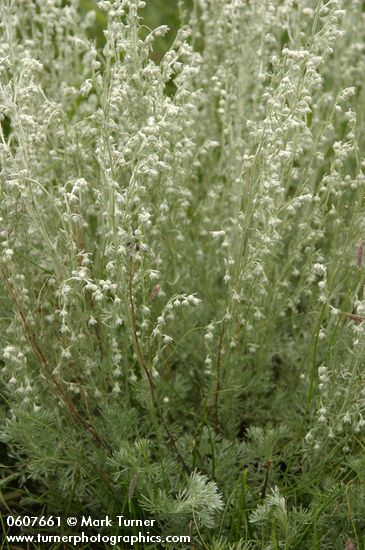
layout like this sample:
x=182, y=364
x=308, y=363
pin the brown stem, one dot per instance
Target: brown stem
x=353, y=316
x=151, y=383
x=45, y=366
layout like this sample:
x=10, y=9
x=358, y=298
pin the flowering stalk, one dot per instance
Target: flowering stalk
x=148, y=374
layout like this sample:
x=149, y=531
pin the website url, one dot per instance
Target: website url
x=112, y=540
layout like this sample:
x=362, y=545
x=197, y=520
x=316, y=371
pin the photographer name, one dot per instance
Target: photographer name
x=121, y=521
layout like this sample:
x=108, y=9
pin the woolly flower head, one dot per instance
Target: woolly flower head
x=319, y=269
